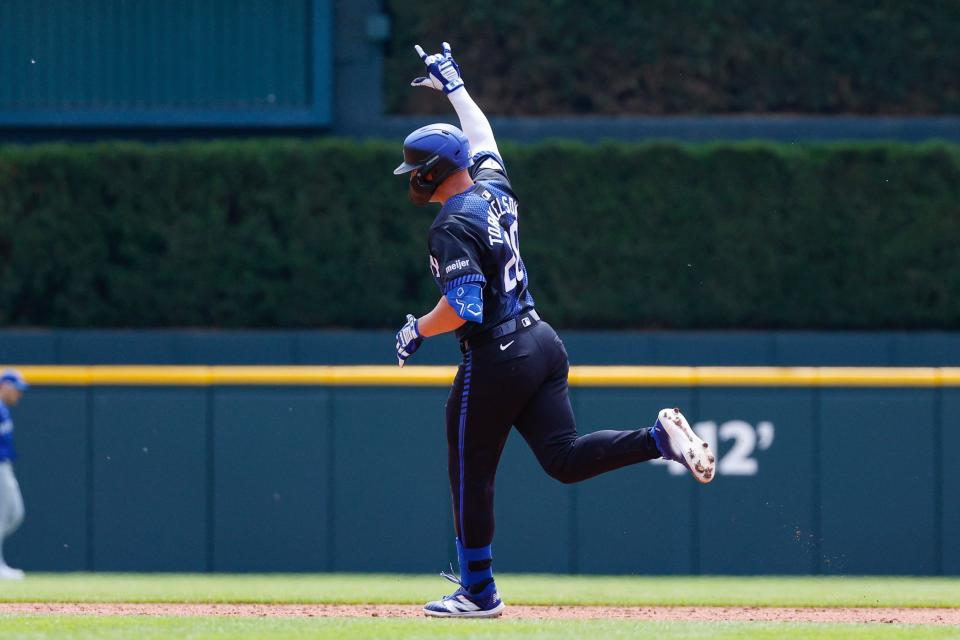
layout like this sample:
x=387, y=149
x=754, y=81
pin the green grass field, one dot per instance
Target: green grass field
x=515, y=589
x=62, y=628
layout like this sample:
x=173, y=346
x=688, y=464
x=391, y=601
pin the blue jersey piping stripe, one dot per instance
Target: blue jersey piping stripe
x=470, y=278
x=464, y=398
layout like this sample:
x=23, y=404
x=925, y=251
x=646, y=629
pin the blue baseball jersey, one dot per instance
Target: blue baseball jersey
x=475, y=240
x=7, y=452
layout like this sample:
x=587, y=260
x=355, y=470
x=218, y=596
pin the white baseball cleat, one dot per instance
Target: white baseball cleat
x=463, y=604
x=9, y=573
x=678, y=442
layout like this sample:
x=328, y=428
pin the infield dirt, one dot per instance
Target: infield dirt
x=929, y=616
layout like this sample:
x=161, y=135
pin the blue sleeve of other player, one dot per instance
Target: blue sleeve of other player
x=467, y=301
x=7, y=450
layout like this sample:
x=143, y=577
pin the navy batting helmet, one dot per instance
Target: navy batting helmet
x=435, y=152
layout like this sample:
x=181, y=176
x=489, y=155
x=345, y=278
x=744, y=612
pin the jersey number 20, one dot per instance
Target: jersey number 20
x=510, y=280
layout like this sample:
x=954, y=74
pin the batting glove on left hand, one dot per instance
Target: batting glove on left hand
x=443, y=72
x=408, y=340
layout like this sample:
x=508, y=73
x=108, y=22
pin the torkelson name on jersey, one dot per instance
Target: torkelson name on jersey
x=499, y=208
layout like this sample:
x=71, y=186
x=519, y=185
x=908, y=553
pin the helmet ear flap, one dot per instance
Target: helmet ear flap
x=425, y=174
x=419, y=191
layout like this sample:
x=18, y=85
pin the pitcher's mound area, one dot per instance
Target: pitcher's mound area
x=515, y=612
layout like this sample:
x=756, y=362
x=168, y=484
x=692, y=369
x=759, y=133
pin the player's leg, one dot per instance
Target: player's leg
x=487, y=393
x=548, y=425
x=4, y=517
x=16, y=517
x=475, y=439
x=11, y=514
x=6, y=507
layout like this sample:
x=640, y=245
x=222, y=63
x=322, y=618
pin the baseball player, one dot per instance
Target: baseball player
x=514, y=369
x=12, y=387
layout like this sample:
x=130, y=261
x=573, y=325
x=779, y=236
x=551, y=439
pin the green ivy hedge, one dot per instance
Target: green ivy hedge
x=320, y=234
x=537, y=57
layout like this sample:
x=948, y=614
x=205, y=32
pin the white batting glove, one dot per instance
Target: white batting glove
x=408, y=340
x=443, y=72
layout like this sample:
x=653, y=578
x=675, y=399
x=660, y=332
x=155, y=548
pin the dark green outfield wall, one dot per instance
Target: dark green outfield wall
x=320, y=479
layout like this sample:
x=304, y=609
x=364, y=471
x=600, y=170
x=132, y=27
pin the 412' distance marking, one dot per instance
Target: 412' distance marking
x=739, y=459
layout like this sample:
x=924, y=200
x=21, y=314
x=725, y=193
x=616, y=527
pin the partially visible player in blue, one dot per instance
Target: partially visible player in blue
x=514, y=370
x=12, y=386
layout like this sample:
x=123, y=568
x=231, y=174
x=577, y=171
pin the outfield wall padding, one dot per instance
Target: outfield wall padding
x=811, y=479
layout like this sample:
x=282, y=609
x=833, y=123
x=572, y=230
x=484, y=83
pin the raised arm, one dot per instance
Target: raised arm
x=443, y=74
x=474, y=124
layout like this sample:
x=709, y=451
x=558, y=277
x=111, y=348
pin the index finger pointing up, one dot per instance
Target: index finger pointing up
x=446, y=49
x=420, y=52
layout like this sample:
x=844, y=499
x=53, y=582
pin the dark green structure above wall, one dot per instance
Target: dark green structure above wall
x=103, y=69
x=210, y=63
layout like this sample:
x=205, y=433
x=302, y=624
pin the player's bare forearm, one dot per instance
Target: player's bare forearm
x=442, y=319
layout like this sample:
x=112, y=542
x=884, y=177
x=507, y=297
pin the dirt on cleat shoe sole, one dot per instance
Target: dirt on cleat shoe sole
x=699, y=458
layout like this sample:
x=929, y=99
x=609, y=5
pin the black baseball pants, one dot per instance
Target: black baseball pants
x=521, y=380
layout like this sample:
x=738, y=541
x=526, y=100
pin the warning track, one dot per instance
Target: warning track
x=516, y=612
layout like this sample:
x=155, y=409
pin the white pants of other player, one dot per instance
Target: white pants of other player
x=11, y=515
